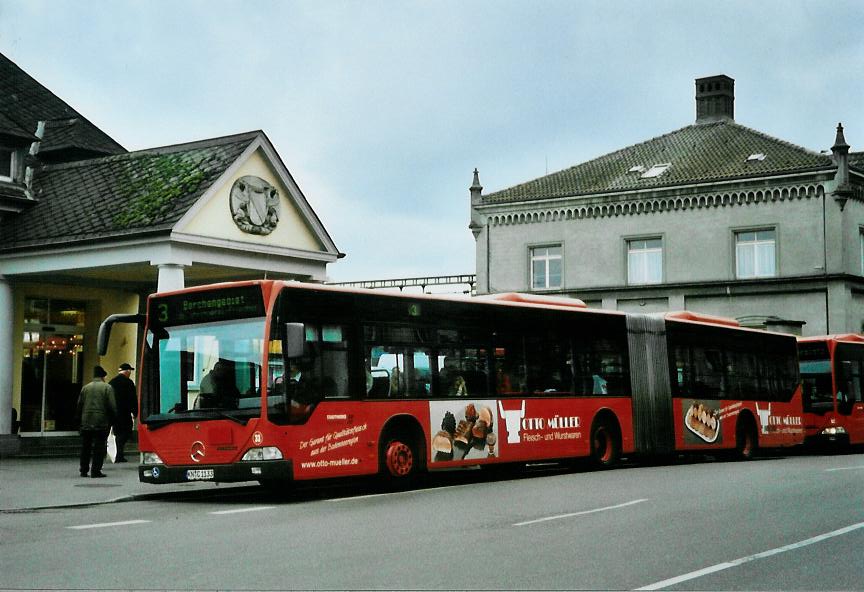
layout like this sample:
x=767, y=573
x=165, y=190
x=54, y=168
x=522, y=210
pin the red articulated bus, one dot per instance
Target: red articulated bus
x=832, y=370
x=279, y=381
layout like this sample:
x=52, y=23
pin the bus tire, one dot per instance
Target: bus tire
x=401, y=461
x=746, y=439
x=605, y=443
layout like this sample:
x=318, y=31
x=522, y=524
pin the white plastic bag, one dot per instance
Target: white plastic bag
x=112, y=446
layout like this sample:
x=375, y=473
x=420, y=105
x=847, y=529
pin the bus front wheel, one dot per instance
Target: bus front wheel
x=401, y=461
x=605, y=444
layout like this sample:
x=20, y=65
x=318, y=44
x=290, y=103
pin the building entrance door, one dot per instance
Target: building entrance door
x=52, y=375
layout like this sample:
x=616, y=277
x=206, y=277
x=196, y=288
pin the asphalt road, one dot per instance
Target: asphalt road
x=780, y=523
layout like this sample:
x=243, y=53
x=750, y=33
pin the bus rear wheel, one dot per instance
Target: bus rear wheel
x=746, y=440
x=605, y=444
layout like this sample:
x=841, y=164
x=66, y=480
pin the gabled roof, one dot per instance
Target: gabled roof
x=119, y=196
x=9, y=128
x=699, y=153
x=24, y=102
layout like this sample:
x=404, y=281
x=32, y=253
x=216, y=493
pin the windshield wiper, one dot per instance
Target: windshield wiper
x=227, y=415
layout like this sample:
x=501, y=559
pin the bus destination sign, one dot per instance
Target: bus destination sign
x=207, y=306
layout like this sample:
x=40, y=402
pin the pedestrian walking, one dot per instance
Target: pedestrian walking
x=96, y=412
x=127, y=407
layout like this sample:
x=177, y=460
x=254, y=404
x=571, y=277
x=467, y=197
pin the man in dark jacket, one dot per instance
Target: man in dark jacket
x=96, y=411
x=127, y=407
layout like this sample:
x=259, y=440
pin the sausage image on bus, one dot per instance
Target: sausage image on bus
x=703, y=421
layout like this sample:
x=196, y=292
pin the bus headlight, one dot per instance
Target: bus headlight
x=266, y=453
x=151, y=458
x=835, y=431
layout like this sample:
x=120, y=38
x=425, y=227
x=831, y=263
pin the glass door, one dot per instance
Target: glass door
x=52, y=371
x=52, y=377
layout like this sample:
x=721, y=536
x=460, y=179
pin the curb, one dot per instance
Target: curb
x=134, y=497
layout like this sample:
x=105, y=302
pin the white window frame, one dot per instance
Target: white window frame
x=752, y=249
x=861, y=235
x=540, y=254
x=642, y=253
x=12, y=164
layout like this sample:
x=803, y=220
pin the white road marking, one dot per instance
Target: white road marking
x=394, y=493
x=107, y=524
x=845, y=469
x=242, y=510
x=594, y=511
x=721, y=566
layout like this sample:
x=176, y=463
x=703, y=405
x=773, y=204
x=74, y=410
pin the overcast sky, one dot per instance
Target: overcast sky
x=381, y=110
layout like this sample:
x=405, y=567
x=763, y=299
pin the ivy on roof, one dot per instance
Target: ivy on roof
x=150, y=196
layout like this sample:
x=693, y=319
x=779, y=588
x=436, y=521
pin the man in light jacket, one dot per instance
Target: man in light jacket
x=96, y=412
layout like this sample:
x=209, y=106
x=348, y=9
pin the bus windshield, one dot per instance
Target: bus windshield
x=817, y=389
x=204, y=370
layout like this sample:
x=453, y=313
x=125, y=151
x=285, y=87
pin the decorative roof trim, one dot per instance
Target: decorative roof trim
x=65, y=257
x=652, y=191
x=295, y=194
x=299, y=198
x=194, y=239
x=655, y=205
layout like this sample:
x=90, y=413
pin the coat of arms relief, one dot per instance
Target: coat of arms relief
x=254, y=205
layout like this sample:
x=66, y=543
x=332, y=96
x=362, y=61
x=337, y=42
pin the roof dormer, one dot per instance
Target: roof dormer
x=14, y=194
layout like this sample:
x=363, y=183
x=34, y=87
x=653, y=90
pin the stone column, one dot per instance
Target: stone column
x=677, y=302
x=839, y=299
x=170, y=277
x=7, y=357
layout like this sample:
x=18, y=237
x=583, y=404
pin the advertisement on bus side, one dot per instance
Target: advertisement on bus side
x=704, y=421
x=472, y=430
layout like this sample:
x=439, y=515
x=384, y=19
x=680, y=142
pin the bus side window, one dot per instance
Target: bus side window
x=398, y=371
x=329, y=362
x=462, y=372
x=510, y=364
x=549, y=362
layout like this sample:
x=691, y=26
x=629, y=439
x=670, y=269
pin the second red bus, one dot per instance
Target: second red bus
x=832, y=370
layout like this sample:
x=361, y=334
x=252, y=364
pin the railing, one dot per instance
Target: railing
x=468, y=280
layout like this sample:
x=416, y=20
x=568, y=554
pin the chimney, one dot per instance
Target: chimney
x=715, y=99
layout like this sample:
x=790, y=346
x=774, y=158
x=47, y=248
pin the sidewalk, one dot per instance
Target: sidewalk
x=33, y=483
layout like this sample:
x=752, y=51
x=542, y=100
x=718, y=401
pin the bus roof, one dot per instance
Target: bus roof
x=534, y=299
x=503, y=299
x=849, y=337
x=698, y=317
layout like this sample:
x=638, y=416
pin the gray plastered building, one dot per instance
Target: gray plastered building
x=715, y=217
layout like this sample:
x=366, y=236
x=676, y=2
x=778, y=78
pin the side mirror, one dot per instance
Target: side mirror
x=105, y=329
x=295, y=338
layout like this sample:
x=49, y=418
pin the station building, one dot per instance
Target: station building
x=714, y=217
x=89, y=229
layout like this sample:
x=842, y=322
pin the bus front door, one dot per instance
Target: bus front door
x=850, y=400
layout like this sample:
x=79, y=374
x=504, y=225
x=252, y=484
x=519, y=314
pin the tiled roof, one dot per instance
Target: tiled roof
x=699, y=153
x=119, y=196
x=856, y=160
x=8, y=127
x=63, y=134
x=24, y=103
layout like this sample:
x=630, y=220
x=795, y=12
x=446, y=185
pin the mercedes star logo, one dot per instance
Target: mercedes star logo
x=197, y=452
